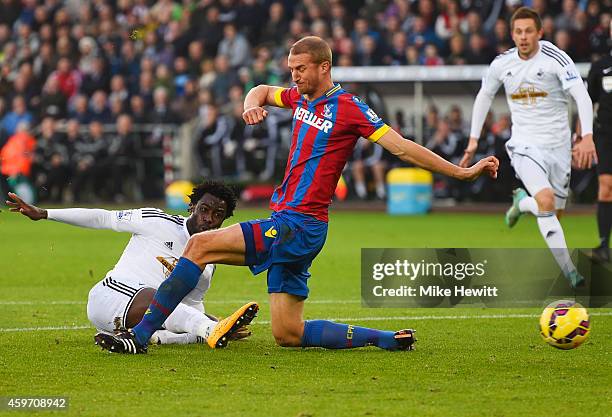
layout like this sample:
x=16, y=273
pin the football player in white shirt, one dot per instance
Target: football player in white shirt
x=537, y=77
x=158, y=239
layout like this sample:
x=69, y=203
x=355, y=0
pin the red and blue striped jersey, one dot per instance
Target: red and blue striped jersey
x=324, y=133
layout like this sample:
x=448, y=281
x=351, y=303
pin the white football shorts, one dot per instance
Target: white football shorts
x=539, y=168
x=109, y=299
x=112, y=298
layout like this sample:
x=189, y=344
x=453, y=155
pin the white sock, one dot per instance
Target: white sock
x=360, y=189
x=186, y=319
x=555, y=239
x=529, y=205
x=166, y=337
x=380, y=191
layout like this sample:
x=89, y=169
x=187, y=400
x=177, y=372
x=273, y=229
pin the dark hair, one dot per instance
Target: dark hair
x=526, y=13
x=219, y=190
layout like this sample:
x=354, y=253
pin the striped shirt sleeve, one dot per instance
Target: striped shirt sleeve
x=119, y=220
x=367, y=123
x=566, y=70
x=285, y=97
x=135, y=221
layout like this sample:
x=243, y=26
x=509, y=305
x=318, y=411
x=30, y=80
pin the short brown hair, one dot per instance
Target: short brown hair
x=316, y=47
x=526, y=13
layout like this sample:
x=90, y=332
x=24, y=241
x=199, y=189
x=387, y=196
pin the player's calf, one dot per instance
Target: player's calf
x=288, y=336
x=331, y=335
x=181, y=281
x=139, y=306
x=286, y=312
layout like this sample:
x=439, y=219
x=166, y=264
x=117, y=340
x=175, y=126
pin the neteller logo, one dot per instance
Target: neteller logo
x=312, y=119
x=528, y=95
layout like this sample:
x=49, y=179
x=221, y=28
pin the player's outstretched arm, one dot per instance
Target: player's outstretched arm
x=481, y=107
x=416, y=154
x=482, y=103
x=119, y=221
x=17, y=205
x=257, y=97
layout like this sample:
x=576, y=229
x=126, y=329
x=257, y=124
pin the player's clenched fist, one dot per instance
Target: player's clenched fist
x=254, y=115
x=488, y=166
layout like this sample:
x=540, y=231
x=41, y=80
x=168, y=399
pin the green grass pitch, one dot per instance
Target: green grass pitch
x=463, y=365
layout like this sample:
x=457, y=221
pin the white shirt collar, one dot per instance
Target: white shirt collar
x=187, y=235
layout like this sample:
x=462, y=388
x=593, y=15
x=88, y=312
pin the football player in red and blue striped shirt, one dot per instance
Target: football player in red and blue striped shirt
x=327, y=121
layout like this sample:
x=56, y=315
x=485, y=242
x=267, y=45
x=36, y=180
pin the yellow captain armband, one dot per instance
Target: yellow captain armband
x=277, y=97
x=379, y=133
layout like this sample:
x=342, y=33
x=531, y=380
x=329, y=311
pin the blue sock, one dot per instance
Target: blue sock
x=181, y=281
x=330, y=335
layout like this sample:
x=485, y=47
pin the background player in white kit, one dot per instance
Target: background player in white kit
x=537, y=77
x=158, y=239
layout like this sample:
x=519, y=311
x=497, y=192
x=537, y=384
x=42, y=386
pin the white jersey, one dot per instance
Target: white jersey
x=157, y=242
x=536, y=91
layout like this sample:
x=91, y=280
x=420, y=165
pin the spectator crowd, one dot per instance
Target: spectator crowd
x=88, y=87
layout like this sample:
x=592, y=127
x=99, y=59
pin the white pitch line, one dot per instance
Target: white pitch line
x=418, y=318
x=43, y=302
x=40, y=329
x=342, y=319
x=307, y=301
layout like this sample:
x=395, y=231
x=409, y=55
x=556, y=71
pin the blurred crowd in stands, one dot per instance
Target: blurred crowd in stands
x=89, y=90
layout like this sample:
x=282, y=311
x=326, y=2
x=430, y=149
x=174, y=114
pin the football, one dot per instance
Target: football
x=564, y=324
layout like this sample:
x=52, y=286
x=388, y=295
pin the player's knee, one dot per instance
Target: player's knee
x=605, y=188
x=198, y=245
x=545, y=200
x=605, y=194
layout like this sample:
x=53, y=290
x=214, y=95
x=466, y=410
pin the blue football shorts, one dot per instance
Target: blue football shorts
x=285, y=245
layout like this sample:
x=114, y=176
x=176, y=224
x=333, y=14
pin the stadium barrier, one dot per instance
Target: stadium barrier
x=412, y=88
